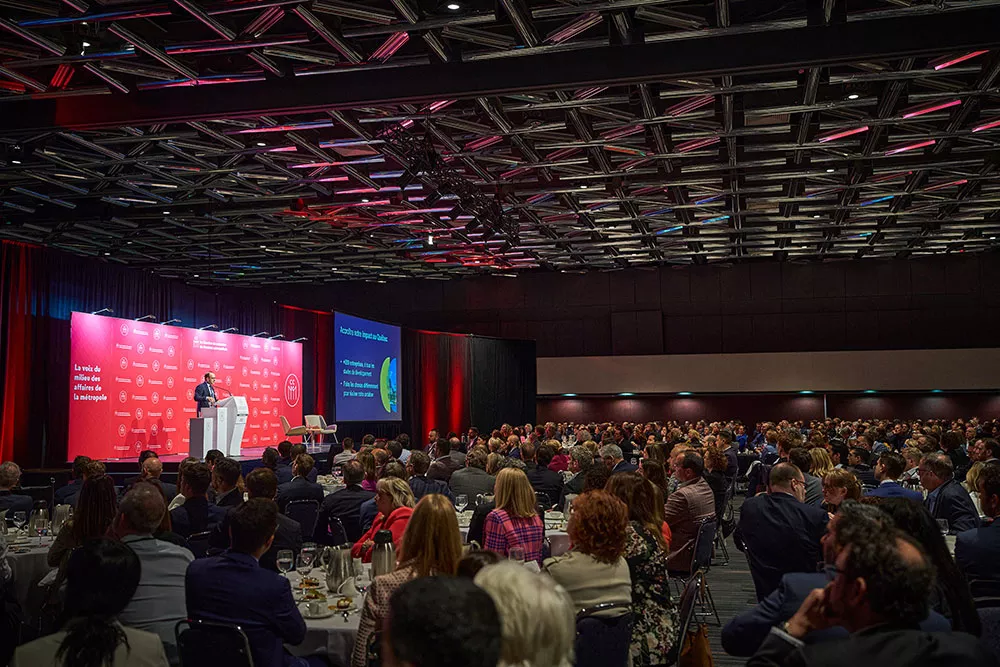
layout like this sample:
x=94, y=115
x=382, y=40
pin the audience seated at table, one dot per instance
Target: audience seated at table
x=449, y=459
x=514, y=521
x=977, y=550
x=196, y=515
x=178, y=500
x=430, y=545
x=345, y=505
x=300, y=487
x=421, y=632
x=594, y=571
x=537, y=622
x=420, y=483
x=10, y=476
x=159, y=602
x=614, y=459
x=226, y=481
x=840, y=484
x=655, y=621
x=580, y=461
x=858, y=460
x=101, y=578
x=94, y=514
x=68, y=495
x=153, y=469
x=347, y=454
x=800, y=458
x=144, y=455
x=687, y=508
x=888, y=470
x=394, y=500
x=542, y=479
x=368, y=508
x=780, y=532
x=880, y=591
x=946, y=499
x=744, y=634
x=473, y=480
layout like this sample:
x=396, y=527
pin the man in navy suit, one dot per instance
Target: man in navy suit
x=196, y=515
x=295, y=452
x=615, y=460
x=781, y=533
x=744, y=634
x=887, y=471
x=946, y=499
x=977, y=551
x=300, y=488
x=233, y=588
x=10, y=475
x=204, y=394
x=68, y=494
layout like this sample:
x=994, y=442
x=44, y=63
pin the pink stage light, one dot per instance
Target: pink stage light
x=394, y=43
x=587, y=93
x=574, y=28
x=620, y=132
x=909, y=147
x=629, y=165
x=942, y=186
x=987, y=126
x=948, y=61
x=479, y=144
x=695, y=144
x=840, y=134
x=517, y=171
x=411, y=211
x=930, y=108
x=561, y=153
x=684, y=107
x=434, y=107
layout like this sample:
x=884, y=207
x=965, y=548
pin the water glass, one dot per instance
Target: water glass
x=461, y=502
x=304, y=564
x=284, y=561
x=516, y=553
x=363, y=579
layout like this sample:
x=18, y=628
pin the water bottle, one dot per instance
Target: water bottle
x=383, y=554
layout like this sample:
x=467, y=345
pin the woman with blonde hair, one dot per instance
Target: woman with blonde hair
x=431, y=545
x=515, y=521
x=394, y=502
x=493, y=463
x=839, y=485
x=821, y=462
x=971, y=485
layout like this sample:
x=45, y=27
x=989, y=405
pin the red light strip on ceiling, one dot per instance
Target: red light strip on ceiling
x=479, y=144
x=920, y=111
x=987, y=126
x=695, y=144
x=390, y=46
x=841, y=134
x=689, y=105
x=909, y=147
x=948, y=61
x=942, y=186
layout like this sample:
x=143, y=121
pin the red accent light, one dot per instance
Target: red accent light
x=948, y=61
x=941, y=186
x=695, y=144
x=987, y=126
x=479, y=144
x=840, y=134
x=920, y=111
x=909, y=147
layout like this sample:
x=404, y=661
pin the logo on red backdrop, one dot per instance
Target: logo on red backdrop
x=123, y=362
x=156, y=365
x=255, y=359
x=121, y=430
x=274, y=360
x=256, y=412
x=140, y=347
x=170, y=351
x=265, y=372
x=254, y=439
x=190, y=394
x=138, y=447
x=229, y=380
x=190, y=364
x=170, y=445
x=216, y=366
x=293, y=390
x=246, y=371
x=123, y=396
x=156, y=334
x=255, y=386
x=138, y=414
x=124, y=329
x=139, y=380
x=170, y=382
x=155, y=398
x=246, y=344
x=170, y=413
x=153, y=430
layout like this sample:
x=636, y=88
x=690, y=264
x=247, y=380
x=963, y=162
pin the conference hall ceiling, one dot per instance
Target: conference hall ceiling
x=262, y=141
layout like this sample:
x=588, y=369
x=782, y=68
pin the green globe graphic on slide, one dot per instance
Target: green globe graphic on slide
x=387, y=384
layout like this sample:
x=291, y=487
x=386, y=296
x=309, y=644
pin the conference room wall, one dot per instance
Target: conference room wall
x=939, y=302
x=753, y=408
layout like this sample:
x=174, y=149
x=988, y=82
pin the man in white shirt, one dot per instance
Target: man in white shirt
x=347, y=455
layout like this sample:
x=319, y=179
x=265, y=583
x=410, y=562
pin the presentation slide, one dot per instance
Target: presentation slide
x=367, y=358
x=132, y=385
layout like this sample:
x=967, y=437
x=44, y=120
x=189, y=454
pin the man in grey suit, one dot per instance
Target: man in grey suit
x=159, y=601
x=473, y=479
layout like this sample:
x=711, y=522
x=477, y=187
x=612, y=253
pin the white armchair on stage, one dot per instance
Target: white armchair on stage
x=220, y=427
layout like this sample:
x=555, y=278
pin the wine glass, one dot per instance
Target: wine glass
x=461, y=501
x=304, y=564
x=363, y=579
x=20, y=519
x=41, y=528
x=516, y=553
x=284, y=561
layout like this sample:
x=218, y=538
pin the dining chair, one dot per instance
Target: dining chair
x=303, y=511
x=685, y=615
x=198, y=543
x=603, y=638
x=292, y=431
x=209, y=644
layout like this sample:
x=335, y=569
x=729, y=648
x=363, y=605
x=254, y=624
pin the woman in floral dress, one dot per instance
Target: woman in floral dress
x=656, y=624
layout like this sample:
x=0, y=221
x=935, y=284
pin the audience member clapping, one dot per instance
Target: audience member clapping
x=537, y=622
x=431, y=545
x=101, y=577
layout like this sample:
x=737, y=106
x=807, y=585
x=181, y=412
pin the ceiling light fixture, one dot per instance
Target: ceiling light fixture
x=684, y=393
x=86, y=44
x=454, y=6
x=909, y=147
x=626, y=393
x=569, y=395
x=166, y=213
x=430, y=239
x=830, y=170
x=261, y=144
x=853, y=96
x=987, y=126
x=15, y=162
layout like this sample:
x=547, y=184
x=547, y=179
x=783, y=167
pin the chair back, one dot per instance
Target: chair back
x=336, y=533
x=543, y=500
x=313, y=421
x=685, y=614
x=603, y=640
x=38, y=494
x=703, y=543
x=990, y=619
x=327, y=427
x=198, y=543
x=303, y=511
x=205, y=644
x=284, y=424
x=985, y=592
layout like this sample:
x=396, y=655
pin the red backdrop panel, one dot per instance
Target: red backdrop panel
x=132, y=384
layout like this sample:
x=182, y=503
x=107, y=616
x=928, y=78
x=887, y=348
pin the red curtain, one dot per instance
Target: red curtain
x=16, y=351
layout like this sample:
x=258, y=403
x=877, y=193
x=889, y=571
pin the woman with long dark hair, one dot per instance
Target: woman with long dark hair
x=95, y=511
x=951, y=597
x=101, y=578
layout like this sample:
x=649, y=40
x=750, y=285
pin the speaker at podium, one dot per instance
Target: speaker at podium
x=220, y=427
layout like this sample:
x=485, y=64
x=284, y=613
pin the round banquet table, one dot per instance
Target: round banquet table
x=333, y=636
x=28, y=565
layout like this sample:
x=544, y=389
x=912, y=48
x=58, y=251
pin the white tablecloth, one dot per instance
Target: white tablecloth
x=28, y=568
x=332, y=637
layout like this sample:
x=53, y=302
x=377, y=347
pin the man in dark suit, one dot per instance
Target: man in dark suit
x=196, y=515
x=283, y=468
x=857, y=461
x=345, y=505
x=204, y=393
x=261, y=483
x=744, y=634
x=473, y=480
x=152, y=468
x=977, y=551
x=298, y=450
x=580, y=461
x=10, y=476
x=444, y=465
x=799, y=457
x=544, y=480
x=68, y=494
x=725, y=440
x=781, y=533
x=946, y=499
x=614, y=459
x=300, y=488
x=144, y=455
x=225, y=476
x=879, y=593
x=420, y=483
x=233, y=588
x=887, y=471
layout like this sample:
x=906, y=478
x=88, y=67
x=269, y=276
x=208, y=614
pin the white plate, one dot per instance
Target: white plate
x=304, y=610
